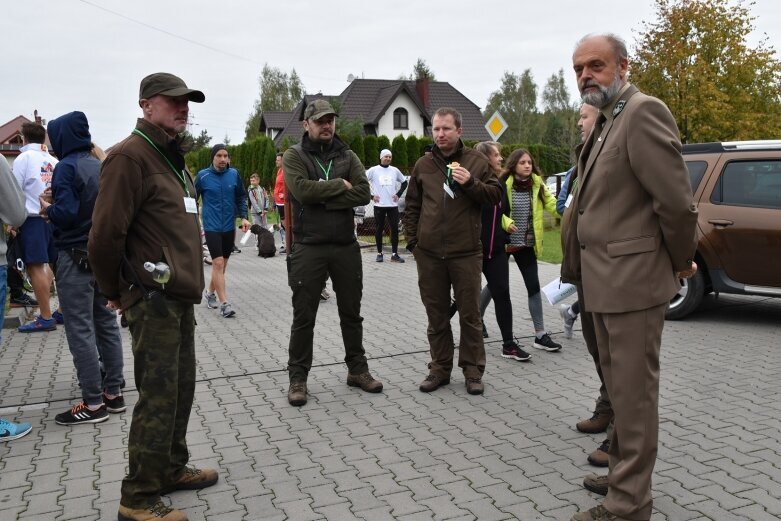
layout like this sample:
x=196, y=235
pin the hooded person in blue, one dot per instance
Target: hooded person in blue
x=222, y=200
x=90, y=327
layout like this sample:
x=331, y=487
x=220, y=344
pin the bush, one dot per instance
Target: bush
x=399, y=151
x=371, y=151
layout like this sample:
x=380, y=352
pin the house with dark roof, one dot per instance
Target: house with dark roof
x=384, y=108
x=11, y=140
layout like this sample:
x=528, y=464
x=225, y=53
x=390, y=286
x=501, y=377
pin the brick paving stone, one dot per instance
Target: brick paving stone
x=402, y=454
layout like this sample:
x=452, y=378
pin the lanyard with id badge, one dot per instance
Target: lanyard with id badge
x=189, y=201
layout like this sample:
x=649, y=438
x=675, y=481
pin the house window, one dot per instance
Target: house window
x=400, y=118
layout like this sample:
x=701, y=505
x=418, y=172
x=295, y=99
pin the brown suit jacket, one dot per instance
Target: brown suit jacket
x=636, y=224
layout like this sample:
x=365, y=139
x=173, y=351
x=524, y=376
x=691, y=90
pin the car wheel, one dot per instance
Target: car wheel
x=688, y=298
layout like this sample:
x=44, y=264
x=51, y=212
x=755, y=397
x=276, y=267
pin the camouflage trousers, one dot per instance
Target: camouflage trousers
x=164, y=368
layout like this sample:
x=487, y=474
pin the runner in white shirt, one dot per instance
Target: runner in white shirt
x=387, y=185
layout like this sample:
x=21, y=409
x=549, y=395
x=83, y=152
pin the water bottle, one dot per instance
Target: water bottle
x=160, y=271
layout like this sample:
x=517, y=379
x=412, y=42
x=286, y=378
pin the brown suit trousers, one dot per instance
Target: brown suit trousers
x=629, y=356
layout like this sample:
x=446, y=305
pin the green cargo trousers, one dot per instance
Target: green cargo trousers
x=164, y=367
x=309, y=265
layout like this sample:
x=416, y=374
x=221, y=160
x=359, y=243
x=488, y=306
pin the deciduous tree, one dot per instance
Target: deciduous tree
x=695, y=57
x=516, y=101
x=279, y=91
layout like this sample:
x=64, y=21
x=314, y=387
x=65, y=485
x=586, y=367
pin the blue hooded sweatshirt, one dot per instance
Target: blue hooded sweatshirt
x=222, y=198
x=75, y=180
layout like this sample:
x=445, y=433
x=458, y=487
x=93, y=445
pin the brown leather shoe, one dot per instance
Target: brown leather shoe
x=596, y=484
x=474, y=386
x=599, y=457
x=595, y=424
x=365, y=381
x=598, y=513
x=157, y=512
x=193, y=479
x=432, y=383
x=296, y=394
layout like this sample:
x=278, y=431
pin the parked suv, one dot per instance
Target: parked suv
x=737, y=188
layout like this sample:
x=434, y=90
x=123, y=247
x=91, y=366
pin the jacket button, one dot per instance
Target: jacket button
x=582, y=246
x=580, y=211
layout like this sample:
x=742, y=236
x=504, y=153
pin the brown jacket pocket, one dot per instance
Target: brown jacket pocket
x=631, y=246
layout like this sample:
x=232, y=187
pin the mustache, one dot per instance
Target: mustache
x=591, y=83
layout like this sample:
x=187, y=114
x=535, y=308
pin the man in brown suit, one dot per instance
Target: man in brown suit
x=633, y=223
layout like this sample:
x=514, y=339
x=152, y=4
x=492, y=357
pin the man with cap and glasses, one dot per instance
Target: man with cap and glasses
x=324, y=181
x=146, y=213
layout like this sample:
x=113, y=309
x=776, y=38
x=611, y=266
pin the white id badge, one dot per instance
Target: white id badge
x=569, y=201
x=448, y=191
x=189, y=205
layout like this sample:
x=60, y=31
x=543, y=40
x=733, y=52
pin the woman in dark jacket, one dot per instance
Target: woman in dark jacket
x=496, y=223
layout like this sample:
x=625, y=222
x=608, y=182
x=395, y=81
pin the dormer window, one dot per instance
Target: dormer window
x=400, y=119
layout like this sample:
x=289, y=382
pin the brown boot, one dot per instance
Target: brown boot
x=599, y=457
x=598, y=513
x=193, y=479
x=432, y=383
x=157, y=512
x=596, y=484
x=365, y=381
x=474, y=386
x=595, y=424
x=296, y=394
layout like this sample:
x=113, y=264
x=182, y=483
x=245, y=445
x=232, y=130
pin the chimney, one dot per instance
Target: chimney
x=37, y=117
x=421, y=85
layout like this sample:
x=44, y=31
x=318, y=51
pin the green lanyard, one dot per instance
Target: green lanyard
x=327, y=171
x=179, y=175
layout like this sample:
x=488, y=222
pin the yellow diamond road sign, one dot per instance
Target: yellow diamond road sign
x=496, y=126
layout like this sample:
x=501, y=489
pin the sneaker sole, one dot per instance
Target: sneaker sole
x=92, y=420
x=229, y=315
x=116, y=410
x=17, y=436
x=545, y=348
x=513, y=357
x=38, y=330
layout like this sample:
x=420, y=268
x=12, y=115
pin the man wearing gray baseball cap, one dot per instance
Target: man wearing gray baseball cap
x=145, y=216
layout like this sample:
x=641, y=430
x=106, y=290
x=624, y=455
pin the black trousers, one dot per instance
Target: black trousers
x=392, y=212
x=309, y=266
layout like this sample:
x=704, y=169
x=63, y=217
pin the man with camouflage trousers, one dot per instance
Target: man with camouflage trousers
x=146, y=212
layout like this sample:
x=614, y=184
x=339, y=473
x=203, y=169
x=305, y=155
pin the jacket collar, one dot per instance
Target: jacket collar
x=181, y=143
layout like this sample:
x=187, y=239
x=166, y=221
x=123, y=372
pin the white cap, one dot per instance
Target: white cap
x=385, y=152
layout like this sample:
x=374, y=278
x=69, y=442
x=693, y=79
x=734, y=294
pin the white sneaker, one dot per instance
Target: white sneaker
x=569, y=320
x=211, y=299
x=227, y=310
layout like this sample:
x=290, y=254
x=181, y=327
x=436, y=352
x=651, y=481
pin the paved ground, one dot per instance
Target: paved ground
x=510, y=454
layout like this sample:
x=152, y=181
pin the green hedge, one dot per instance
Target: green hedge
x=259, y=154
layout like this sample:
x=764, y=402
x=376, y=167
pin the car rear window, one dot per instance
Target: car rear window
x=749, y=183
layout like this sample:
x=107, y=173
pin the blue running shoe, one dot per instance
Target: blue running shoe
x=12, y=431
x=39, y=324
x=57, y=316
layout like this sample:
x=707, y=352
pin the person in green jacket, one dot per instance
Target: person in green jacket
x=529, y=197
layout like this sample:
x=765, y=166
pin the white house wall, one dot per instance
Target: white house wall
x=414, y=120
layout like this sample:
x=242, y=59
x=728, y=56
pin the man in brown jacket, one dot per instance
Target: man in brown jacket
x=146, y=213
x=442, y=225
x=634, y=225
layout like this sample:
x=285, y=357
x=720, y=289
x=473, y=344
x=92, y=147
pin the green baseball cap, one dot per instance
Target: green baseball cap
x=319, y=108
x=167, y=85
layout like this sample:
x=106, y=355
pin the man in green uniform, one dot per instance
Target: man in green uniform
x=146, y=212
x=325, y=180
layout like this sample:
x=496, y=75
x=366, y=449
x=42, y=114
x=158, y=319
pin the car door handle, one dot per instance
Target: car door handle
x=721, y=223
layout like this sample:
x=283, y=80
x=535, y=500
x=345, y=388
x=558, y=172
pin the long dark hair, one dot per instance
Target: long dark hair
x=512, y=162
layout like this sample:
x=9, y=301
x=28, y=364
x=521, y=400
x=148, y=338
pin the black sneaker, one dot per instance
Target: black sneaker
x=396, y=258
x=379, y=257
x=546, y=343
x=511, y=350
x=80, y=413
x=23, y=301
x=114, y=405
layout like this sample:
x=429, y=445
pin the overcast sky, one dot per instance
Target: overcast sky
x=90, y=55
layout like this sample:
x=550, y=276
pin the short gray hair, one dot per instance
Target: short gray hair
x=616, y=42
